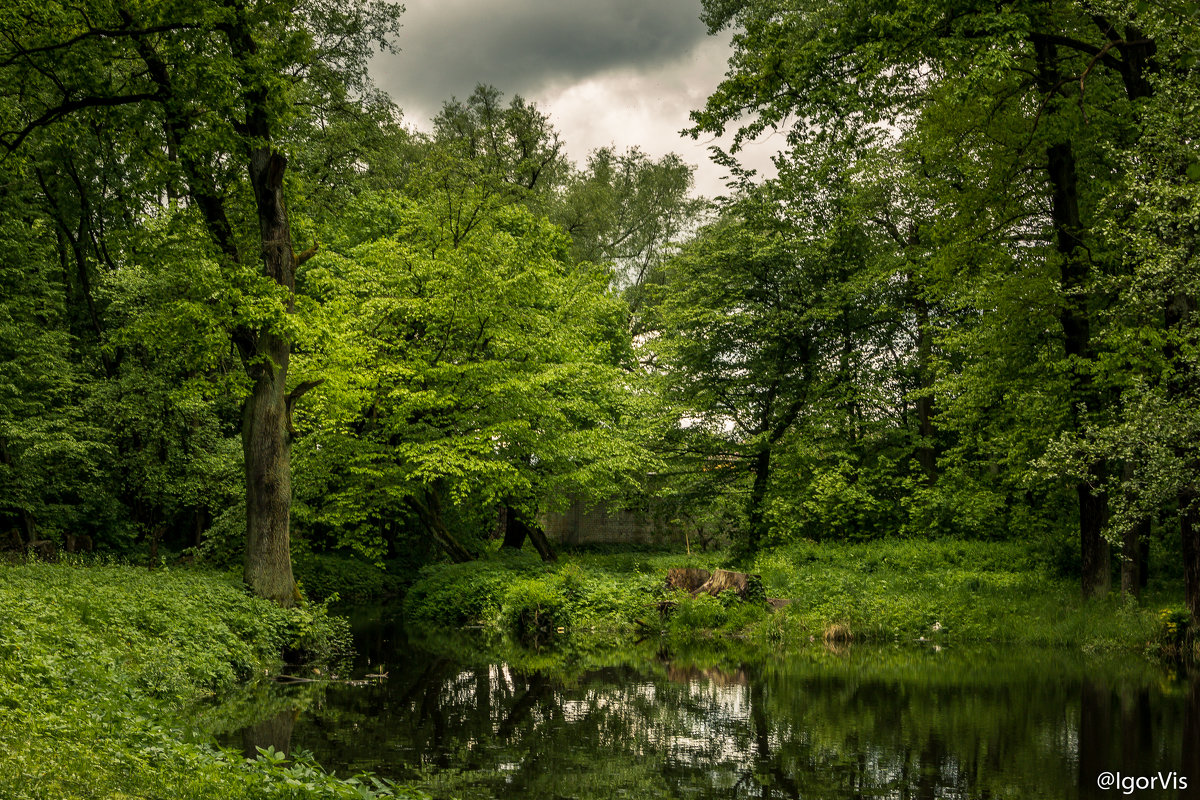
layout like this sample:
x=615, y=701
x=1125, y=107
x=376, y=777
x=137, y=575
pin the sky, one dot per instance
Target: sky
x=607, y=72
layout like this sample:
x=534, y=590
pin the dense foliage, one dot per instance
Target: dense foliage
x=241, y=302
x=964, y=304
x=948, y=591
x=98, y=666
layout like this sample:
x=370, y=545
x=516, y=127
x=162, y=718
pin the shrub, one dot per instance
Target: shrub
x=533, y=608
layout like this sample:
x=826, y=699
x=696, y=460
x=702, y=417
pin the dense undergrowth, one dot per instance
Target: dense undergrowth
x=906, y=590
x=99, y=665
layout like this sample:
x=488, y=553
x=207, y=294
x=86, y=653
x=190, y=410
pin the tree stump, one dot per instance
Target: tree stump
x=686, y=578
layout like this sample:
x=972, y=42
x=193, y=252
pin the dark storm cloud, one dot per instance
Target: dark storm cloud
x=527, y=46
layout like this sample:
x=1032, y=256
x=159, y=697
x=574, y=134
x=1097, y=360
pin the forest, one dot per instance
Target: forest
x=246, y=309
x=937, y=370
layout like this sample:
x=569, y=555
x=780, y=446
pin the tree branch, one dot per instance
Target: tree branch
x=67, y=107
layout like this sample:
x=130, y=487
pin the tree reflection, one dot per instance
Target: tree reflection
x=867, y=724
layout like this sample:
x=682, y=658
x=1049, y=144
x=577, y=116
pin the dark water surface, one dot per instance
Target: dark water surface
x=862, y=722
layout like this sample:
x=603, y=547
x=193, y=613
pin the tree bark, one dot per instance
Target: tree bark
x=1075, y=320
x=1076, y=327
x=1132, y=562
x=1132, y=565
x=266, y=440
x=1094, y=548
x=926, y=453
x=429, y=510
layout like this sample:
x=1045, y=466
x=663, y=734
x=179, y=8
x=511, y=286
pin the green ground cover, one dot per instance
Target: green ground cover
x=946, y=591
x=101, y=666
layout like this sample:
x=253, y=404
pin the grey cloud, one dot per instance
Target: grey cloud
x=527, y=46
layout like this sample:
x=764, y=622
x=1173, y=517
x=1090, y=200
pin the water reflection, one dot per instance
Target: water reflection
x=862, y=723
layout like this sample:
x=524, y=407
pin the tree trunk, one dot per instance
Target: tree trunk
x=1132, y=565
x=429, y=511
x=1075, y=319
x=1132, y=562
x=268, y=567
x=926, y=454
x=266, y=439
x=1189, y=532
x=1096, y=554
x=517, y=529
x=1183, y=386
x=755, y=512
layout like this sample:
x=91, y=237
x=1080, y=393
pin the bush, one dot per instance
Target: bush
x=457, y=594
x=533, y=608
x=324, y=576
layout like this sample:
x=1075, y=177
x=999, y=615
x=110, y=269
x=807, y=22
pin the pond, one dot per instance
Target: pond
x=906, y=721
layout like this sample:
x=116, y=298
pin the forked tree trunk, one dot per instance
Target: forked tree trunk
x=517, y=529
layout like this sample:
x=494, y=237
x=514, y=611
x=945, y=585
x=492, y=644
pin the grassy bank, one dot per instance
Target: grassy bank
x=98, y=666
x=943, y=591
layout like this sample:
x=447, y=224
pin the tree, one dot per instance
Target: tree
x=462, y=372
x=217, y=84
x=1039, y=95
x=628, y=210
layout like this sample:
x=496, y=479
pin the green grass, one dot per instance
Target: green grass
x=948, y=591
x=98, y=666
x=904, y=590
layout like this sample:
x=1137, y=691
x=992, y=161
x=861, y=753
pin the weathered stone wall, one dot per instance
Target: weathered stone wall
x=579, y=525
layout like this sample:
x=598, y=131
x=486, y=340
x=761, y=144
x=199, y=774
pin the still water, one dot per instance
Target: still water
x=860, y=722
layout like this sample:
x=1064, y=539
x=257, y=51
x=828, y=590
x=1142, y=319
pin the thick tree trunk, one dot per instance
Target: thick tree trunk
x=1075, y=319
x=266, y=438
x=1144, y=552
x=1183, y=385
x=268, y=567
x=1094, y=549
x=1076, y=326
x=1132, y=563
x=515, y=531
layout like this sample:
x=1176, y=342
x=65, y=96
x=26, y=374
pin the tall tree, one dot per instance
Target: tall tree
x=1041, y=90
x=481, y=370
x=214, y=87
